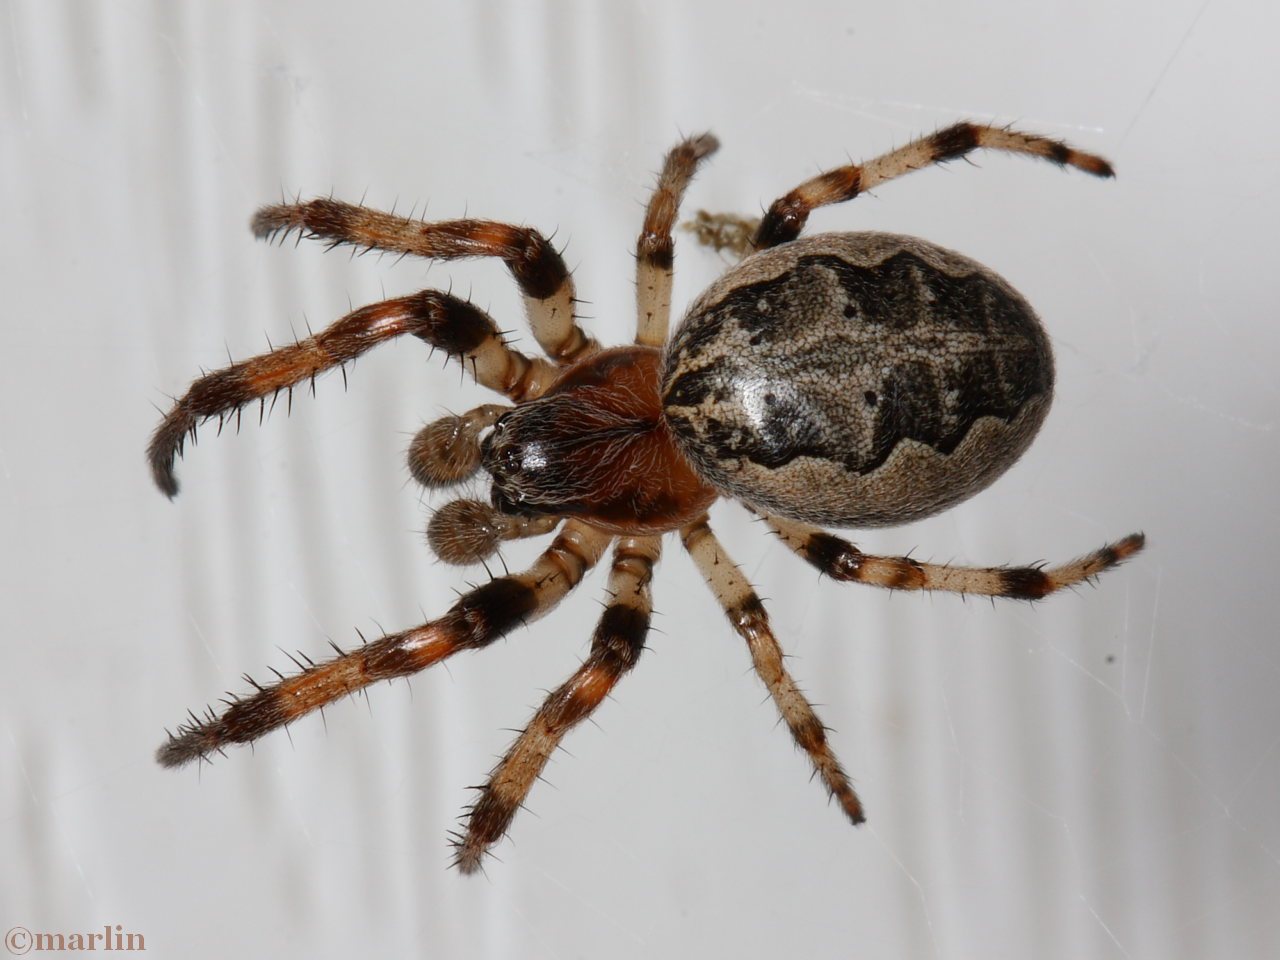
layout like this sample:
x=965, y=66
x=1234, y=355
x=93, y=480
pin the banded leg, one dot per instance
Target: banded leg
x=443, y=321
x=655, y=248
x=476, y=620
x=841, y=560
x=615, y=647
x=748, y=616
x=544, y=280
x=788, y=214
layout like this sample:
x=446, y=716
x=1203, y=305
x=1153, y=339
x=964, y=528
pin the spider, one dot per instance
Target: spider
x=844, y=379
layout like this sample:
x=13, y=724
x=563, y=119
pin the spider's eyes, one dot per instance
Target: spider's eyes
x=516, y=460
x=506, y=457
x=510, y=459
x=501, y=460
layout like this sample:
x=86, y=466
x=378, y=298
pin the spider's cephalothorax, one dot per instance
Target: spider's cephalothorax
x=596, y=446
x=845, y=379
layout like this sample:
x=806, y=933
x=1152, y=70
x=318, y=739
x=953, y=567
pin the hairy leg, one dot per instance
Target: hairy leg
x=655, y=248
x=476, y=620
x=443, y=321
x=788, y=214
x=841, y=560
x=748, y=616
x=615, y=647
x=539, y=270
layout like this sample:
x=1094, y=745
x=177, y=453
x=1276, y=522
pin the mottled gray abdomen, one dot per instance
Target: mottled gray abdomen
x=857, y=379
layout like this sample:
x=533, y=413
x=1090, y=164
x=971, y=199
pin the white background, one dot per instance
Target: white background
x=1093, y=776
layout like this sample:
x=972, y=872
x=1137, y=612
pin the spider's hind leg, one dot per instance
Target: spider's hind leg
x=841, y=560
x=615, y=647
x=749, y=619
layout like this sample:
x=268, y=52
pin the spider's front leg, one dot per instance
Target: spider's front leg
x=747, y=614
x=476, y=620
x=841, y=560
x=540, y=271
x=443, y=321
x=615, y=647
x=788, y=214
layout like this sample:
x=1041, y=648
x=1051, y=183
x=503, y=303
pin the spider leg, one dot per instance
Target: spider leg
x=788, y=214
x=476, y=620
x=748, y=616
x=655, y=248
x=443, y=321
x=615, y=647
x=539, y=270
x=841, y=560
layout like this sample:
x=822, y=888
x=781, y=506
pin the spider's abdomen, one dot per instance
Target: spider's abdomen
x=857, y=379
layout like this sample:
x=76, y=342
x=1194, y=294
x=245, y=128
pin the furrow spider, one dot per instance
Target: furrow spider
x=844, y=379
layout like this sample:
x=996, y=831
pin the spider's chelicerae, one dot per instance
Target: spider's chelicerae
x=844, y=379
